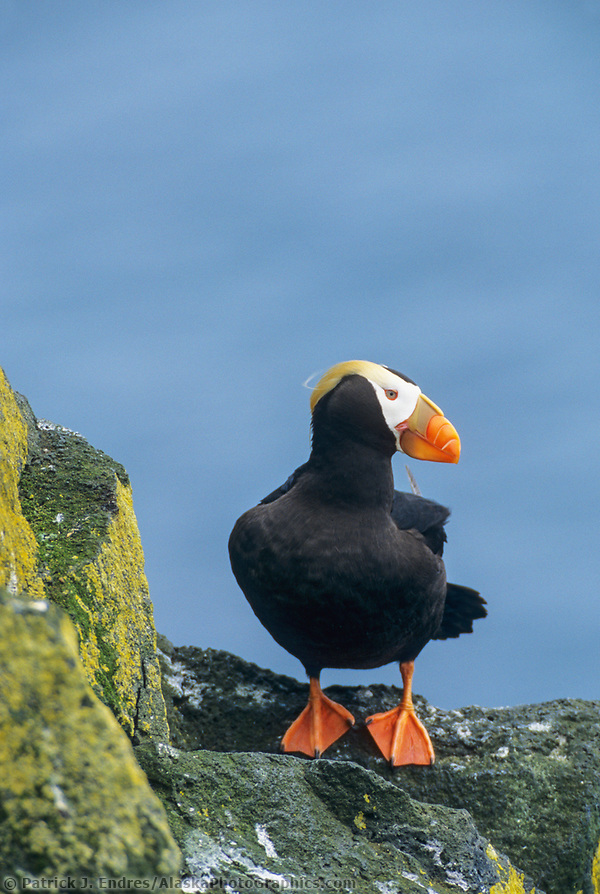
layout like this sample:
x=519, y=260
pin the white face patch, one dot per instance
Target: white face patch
x=397, y=399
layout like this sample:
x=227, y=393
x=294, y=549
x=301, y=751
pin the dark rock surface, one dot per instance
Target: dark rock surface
x=269, y=822
x=529, y=776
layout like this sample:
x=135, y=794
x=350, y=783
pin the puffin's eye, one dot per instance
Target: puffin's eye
x=391, y=394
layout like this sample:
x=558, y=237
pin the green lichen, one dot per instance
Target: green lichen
x=68, y=496
x=68, y=493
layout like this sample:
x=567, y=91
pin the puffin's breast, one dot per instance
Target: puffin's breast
x=335, y=587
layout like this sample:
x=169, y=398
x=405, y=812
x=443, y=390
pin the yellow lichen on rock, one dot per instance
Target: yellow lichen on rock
x=123, y=610
x=359, y=820
x=596, y=871
x=73, y=800
x=512, y=885
x=512, y=882
x=18, y=548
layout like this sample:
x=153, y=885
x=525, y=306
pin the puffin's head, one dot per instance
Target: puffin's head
x=417, y=425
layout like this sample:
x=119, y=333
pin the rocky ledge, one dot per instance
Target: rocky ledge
x=522, y=781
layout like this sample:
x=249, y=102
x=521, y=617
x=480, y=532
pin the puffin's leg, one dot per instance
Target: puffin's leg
x=319, y=725
x=399, y=734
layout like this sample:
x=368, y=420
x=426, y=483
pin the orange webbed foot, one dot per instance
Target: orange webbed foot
x=399, y=734
x=401, y=737
x=319, y=725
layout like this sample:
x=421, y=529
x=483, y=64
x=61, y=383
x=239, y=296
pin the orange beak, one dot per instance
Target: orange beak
x=427, y=434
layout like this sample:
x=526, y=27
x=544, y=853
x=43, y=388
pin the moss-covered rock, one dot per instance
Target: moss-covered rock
x=73, y=801
x=268, y=822
x=529, y=776
x=68, y=533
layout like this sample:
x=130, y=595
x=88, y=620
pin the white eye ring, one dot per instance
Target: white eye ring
x=391, y=394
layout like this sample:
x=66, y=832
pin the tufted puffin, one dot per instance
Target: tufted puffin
x=346, y=572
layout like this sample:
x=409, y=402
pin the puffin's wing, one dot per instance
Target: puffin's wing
x=463, y=606
x=285, y=487
x=426, y=516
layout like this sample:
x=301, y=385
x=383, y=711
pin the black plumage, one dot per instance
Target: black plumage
x=341, y=569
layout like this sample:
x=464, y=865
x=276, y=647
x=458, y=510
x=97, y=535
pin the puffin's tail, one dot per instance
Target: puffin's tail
x=463, y=606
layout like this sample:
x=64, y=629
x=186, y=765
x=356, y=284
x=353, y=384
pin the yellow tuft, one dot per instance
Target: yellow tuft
x=348, y=368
